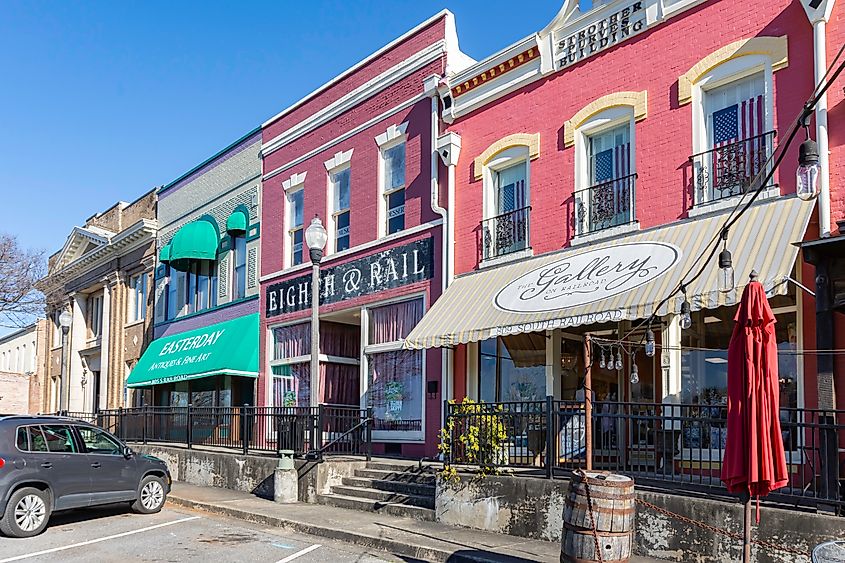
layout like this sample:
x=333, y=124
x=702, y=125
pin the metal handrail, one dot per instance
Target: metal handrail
x=318, y=453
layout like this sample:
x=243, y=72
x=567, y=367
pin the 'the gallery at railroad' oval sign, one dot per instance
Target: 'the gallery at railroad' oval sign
x=587, y=277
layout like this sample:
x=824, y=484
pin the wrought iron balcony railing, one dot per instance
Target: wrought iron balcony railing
x=606, y=205
x=730, y=169
x=506, y=233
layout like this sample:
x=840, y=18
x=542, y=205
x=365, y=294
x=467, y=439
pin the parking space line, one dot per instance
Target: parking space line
x=98, y=540
x=295, y=555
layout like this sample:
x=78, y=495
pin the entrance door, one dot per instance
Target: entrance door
x=95, y=382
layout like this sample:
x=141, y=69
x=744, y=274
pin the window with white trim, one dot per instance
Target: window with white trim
x=295, y=229
x=393, y=163
x=340, y=190
x=733, y=134
x=95, y=315
x=238, y=266
x=137, y=298
x=605, y=176
x=505, y=228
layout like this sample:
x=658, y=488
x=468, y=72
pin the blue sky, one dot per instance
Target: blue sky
x=101, y=101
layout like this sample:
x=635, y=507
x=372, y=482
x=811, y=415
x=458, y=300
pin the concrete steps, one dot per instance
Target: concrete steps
x=395, y=488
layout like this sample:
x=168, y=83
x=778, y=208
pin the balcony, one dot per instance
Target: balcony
x=730, y=169
x=606, y=205
x=506, y=233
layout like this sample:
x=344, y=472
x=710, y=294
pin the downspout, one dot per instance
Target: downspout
x=820, y=65
x=430, y=85
x=818, y=13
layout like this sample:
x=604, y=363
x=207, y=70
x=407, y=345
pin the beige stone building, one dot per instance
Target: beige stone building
x=23, y=369
x=103, y=277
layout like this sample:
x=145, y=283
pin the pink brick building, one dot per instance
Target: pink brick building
x=358, y=153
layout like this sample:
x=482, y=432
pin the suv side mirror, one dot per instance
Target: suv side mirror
x=127, y=452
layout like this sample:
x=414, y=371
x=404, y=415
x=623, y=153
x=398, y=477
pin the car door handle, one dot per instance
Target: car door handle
x=96, y=465
x=47, y=465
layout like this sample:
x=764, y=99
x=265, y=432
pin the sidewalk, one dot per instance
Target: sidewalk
x=422, y=541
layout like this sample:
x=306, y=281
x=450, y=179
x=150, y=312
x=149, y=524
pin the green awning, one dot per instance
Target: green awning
x=227, y=348
x=197, y=240
x=237, y=222
x=164, y=254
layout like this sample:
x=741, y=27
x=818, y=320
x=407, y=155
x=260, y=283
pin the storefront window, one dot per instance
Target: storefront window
x=396, y=375
x=513, y=368
x=704, y=372
x=291, y=371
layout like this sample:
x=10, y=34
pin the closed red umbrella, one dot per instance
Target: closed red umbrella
x=754, y=463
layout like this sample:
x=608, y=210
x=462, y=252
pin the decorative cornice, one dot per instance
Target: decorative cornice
x=494, y=71
x=393, y=133
x=776, y=48
x=638, y=101
x=341, y=158
x=530, y=140
x=294, y=181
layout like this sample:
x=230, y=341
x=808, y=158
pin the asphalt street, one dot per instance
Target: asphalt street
x=116, y=534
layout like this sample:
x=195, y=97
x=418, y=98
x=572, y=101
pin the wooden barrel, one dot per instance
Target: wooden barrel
x=613, y=511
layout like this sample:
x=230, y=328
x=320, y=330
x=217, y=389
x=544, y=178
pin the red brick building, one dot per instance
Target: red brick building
x=601, y=161
x=359, y=154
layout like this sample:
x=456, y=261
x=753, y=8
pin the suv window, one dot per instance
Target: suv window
x=98, y=442
x=59, y=439
x=37, y=443
x=22, y=439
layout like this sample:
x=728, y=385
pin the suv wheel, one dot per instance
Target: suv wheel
x=27, y=513
x=151, y=495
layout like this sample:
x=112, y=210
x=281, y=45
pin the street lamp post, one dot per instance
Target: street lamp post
x=315, y=238
x=65, y=320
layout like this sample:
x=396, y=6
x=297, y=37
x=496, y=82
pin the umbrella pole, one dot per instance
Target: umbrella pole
x=746, y=540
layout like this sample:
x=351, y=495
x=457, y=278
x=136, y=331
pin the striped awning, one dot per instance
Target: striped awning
x=621, y=278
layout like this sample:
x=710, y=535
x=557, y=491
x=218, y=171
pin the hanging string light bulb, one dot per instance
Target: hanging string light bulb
x=618, y=365
x=602, y=362
x=649, y=343
x=807, y=174
x=686, y=318
x=726, y=269
x=635, y=372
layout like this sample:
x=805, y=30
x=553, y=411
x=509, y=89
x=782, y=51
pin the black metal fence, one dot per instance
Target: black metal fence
x=605, y=205
x=665, y=446
x=307, y=431
x=729, y=169
x=506, y=233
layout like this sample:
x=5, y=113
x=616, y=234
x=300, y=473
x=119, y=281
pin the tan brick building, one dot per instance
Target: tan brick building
x=23, y=368
x=103, y=277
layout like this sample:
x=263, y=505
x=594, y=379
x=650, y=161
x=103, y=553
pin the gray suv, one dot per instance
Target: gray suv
x=52, y=463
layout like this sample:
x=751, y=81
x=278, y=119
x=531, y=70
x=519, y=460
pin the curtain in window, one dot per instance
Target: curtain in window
x=396, y=388
x=392, y=323
x=337, y=339
x=292, y=341
x=339, y=384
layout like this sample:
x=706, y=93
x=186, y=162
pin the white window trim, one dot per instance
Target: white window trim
x=331, y=222
x=288, y=246
x=504, y=159
x=132, y=310
x=721, y=75
x=395, y=135
x=295, y=182
x=599, y=123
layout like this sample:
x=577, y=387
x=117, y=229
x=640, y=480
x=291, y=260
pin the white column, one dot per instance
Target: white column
x=670, y=365
x=105, y=342
x=76, y=341
x=553, y=367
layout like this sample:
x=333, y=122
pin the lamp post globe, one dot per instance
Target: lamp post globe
x=65, y=319
x=316, y=238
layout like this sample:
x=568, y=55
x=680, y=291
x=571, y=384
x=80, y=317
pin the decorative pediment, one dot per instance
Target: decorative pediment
x=80, y=242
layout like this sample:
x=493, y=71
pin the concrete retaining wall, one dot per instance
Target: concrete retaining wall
x=249, y=473
x=533, y=508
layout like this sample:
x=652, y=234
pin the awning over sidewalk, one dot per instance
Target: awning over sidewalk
x=227, y=348
x=622, y=278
